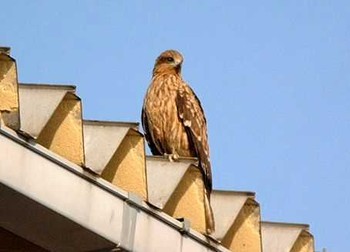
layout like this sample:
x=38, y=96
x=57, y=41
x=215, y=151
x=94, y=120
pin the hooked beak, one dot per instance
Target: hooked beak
x=177, y=66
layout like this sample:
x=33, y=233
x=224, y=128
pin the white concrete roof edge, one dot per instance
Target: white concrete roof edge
x=43, y=152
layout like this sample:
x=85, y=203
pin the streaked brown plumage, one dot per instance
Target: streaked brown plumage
x=173, y=119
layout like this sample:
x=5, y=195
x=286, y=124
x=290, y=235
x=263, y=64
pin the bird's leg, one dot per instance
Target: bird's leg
x=173, y=157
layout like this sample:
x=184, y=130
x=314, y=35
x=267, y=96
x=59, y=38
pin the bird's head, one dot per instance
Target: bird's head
x=169, y=61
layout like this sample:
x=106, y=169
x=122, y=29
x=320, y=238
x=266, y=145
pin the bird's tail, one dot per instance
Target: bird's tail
x=210, y=223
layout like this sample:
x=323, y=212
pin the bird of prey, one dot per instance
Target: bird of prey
x=173, y=119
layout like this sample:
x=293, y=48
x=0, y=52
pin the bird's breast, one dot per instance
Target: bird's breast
x=160, y=104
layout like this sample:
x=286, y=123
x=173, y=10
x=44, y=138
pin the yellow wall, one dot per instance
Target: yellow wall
x=188, y=200
x=63, y=134
x=126, y=169
x=8, y=92
x=304, y=243
x=244, y=234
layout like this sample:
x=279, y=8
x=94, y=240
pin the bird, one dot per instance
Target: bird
x=173, y=119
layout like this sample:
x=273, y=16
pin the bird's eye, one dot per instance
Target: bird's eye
x=170, y=59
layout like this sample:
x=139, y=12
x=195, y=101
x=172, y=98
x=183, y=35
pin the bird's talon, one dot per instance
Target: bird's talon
x=172, y=157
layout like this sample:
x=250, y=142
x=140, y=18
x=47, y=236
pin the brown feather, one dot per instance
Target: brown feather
x=173, y=118
x=193, y=119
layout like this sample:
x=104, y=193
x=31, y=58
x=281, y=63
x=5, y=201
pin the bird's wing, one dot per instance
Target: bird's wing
x=193, y=119
x=147, y=126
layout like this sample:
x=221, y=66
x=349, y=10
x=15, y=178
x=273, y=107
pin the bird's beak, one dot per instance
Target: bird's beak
x=177, y=65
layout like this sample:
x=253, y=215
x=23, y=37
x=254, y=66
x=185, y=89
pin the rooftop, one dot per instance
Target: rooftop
x=81, y=185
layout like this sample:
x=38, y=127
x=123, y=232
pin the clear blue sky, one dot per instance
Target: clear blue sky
x=273, y=78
